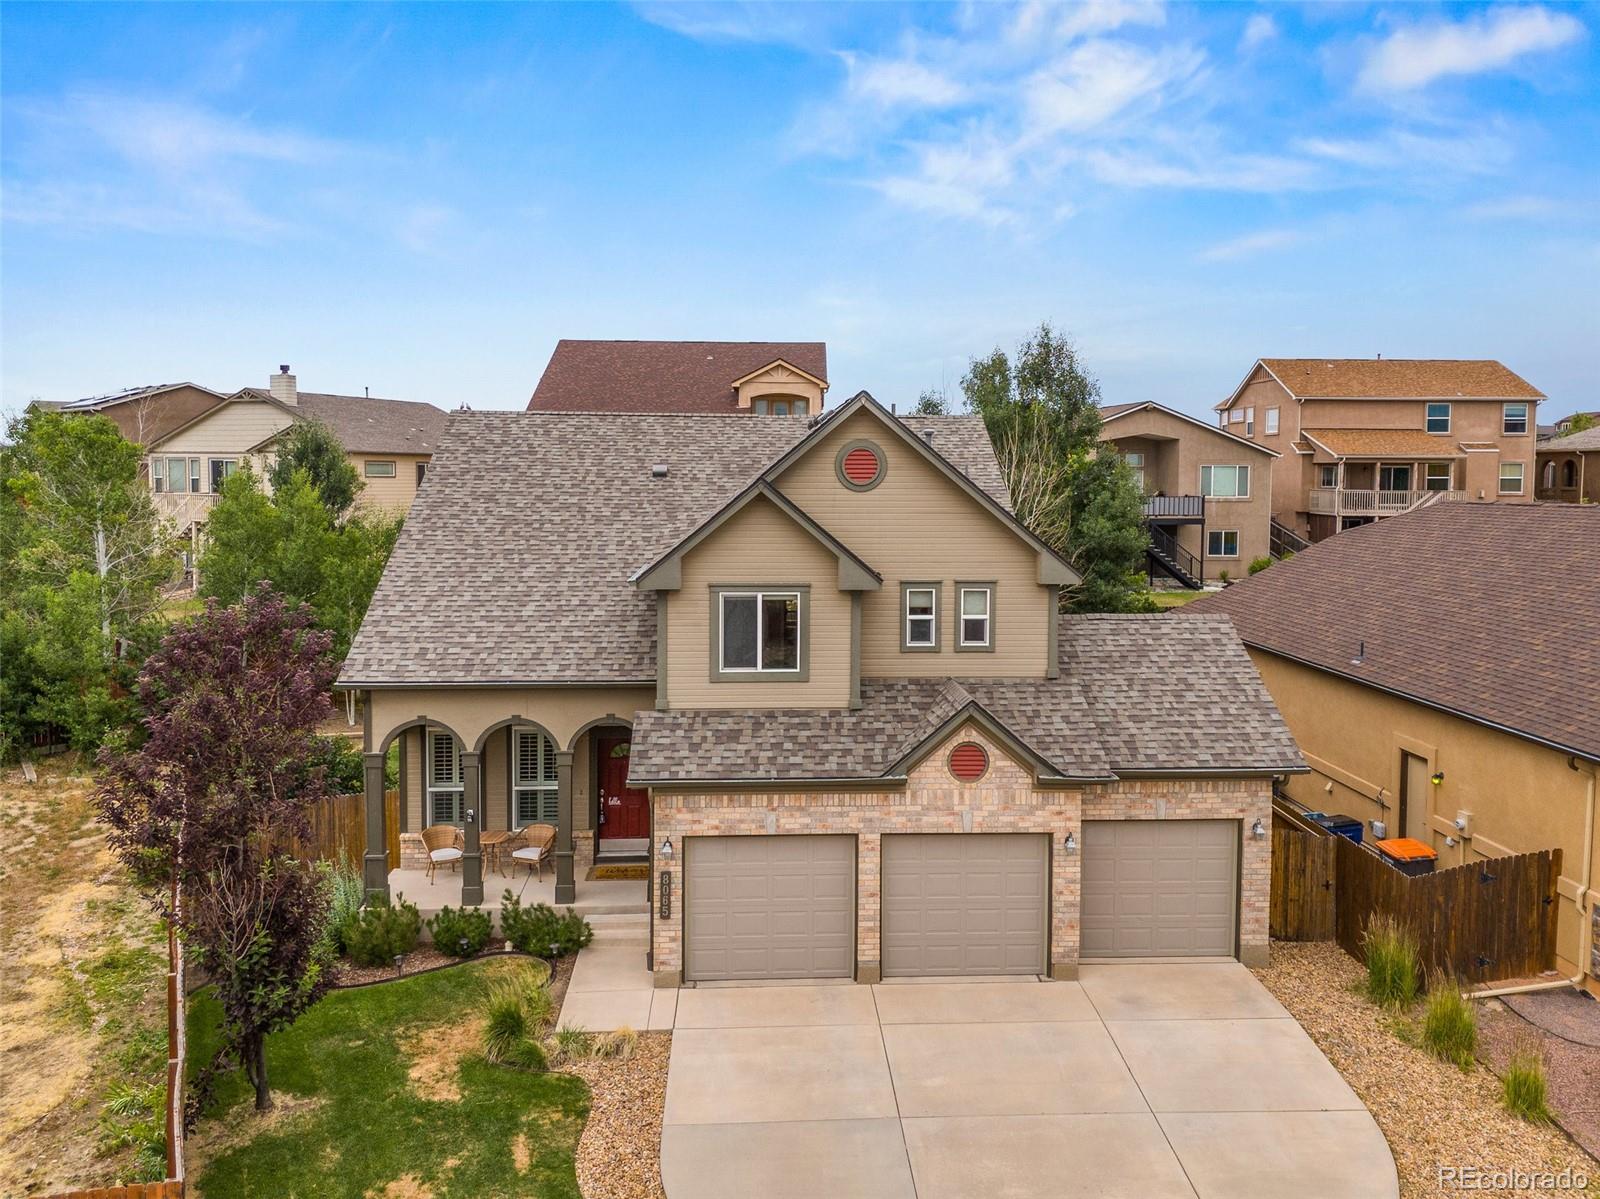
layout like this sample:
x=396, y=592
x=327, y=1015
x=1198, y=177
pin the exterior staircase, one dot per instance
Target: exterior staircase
x=621, y=928
x=1171, y=559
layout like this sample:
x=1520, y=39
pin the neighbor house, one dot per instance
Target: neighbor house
x=1440, y=673
x=1359, y=439
x=1569, y=468
x=1208, y=492
x=813, y=672
x=732, y=378
x=143, y=414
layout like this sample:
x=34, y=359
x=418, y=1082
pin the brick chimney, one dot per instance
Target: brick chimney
x=283, y=386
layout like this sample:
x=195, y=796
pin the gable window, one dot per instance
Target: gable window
x=1514, y=419
x=379, y=470
x=1511, y=478
x=1327, y=475
x=859, y=465
x=1272, y=422
x=1436, y=476
x=975, y=625
x=920, y=604
x=1236, y=416
x=1225, y=482
x=760, y=632
x=1222, y=543
x=1438, y=418
x=533, y=778
x=1250, y=422
x=222, y=469
x=1136, y=462
x=446, y=791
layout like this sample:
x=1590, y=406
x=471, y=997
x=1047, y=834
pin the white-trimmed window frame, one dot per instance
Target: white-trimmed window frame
x=392, y=473
x=1506, y=419
x=1428, y=418
x=1429, y=478
x=1327, y=474
x=931, y=617
x=761, y=596
x=1213, y=467
x=541, y=788
x=962, y=616
x=1522, y=478
x=433, y=787
x=1271, y=428
x=1224, y=533
x=1250, y=421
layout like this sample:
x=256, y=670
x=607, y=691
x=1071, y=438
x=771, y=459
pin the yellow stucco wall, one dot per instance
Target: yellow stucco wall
x=1520, y=796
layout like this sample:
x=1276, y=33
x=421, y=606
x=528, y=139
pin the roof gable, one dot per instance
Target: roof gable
x=241, y=397
x=665, y=376
x=1119, y=411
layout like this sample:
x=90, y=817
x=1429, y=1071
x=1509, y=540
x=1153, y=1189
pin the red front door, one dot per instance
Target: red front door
x=624, y=810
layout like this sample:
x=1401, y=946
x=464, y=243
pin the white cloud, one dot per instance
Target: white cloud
x=1514, y=208
x=1414, y=57
x=1469, y=153
x=1103, y=16
x=1250, y=245
x=1258, y=30
x=792, y=24
x=894, y=82
x=1147, y=167
x=1097, y=80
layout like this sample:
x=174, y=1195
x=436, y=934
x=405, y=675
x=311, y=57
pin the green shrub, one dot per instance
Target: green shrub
x=573, y=1042
x=1392, y=963
x=517, y=1008
x=134, y=1117
x=346, y=894
x=541, y=930
x=382, y=932
x=1450, y=1023
x=1223, y=577
x=461, y=932
x=1257, y=565
x=1286, y=555
x=1522, y=1089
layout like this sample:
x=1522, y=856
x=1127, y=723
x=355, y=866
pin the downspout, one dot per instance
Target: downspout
x=1583, y=923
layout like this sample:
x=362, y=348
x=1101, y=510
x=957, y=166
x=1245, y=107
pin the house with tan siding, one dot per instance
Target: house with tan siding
x=1440, y=672
x=1359, y=439
x=813, y=676
x=729, y=378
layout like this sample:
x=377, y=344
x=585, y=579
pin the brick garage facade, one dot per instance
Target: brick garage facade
x=1004, y=800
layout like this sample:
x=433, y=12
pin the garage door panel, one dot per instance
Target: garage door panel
x=769, y=907
x=1164, y=888
x=965, y=903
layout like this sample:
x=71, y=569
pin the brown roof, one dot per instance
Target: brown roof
x=1378, y=443
x=1589, y=439
x=368, y=425
x=1400, y=378
x=661, y=376
x=1476, y=608
x=1118, y=707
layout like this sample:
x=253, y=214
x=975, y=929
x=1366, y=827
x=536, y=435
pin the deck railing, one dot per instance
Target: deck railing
x=1188, y=507
x=1350, y=501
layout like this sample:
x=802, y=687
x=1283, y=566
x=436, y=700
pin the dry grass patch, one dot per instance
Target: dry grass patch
x=1431, y=1113
x=436, y=1054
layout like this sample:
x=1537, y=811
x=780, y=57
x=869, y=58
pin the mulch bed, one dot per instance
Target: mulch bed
x=1563, y=1026
x=419, y=961
x=619, y=1154
x=1432, y=1114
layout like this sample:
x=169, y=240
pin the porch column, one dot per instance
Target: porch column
x=566, y=889
x=375, y=862
x=472, y=859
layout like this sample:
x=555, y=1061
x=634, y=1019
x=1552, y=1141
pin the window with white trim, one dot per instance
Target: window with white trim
x=759, y=632
x=1511, y=478
x=1514, y=419
x=1225, y=482
x=1236, y=416
x=1136, y=462
x=222, y=469
x=1222, y=543
x=374, y=469
x=446, y=789
x=1327, y=475
x=921, y=630
x=1272, y=422
x=533, y=778
x=977, y=623
x=1438, y=418
x=1250, y=421
x=1436, y=476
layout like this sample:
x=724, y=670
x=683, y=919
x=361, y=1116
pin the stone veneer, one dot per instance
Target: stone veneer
x=1005, y=800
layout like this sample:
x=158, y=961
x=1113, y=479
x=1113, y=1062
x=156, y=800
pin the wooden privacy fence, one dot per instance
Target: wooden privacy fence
x=338, y=831
x=1482, y=922
x=172, y=1189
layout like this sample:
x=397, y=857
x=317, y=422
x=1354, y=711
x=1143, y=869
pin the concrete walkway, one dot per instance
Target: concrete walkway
x=1144, y=1081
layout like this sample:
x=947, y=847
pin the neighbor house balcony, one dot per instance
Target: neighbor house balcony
x=1352, y=501
x=185, y=508
x=1174, y=507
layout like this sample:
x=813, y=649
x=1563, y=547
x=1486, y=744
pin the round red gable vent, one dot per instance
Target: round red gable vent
x=969, y=762
x=861, y=465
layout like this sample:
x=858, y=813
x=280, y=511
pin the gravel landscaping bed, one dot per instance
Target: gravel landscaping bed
x=1572, y=1062
x=1432, y=1114
x=619, y=1155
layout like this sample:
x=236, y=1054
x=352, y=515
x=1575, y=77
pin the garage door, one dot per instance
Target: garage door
x=769, y=907
x=965, y=903
x=1160, y=888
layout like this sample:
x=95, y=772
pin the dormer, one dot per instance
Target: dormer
x=780, y=389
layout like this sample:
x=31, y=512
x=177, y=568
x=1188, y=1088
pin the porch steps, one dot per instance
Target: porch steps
x=621, y=928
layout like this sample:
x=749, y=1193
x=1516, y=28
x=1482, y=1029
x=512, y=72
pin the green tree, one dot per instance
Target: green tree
x=310, y=446
x=1580, y=422
x=84, y=558
x=1042, y=413
x=931, y=403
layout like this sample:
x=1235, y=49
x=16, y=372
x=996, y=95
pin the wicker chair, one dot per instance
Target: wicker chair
x=444, y=845
x=533, y=846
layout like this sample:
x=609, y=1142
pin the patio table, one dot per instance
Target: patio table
x=491, y=843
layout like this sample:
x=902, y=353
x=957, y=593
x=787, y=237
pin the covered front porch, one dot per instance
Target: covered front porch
x=594, y=897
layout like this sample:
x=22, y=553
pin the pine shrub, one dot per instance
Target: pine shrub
x=460, y=932
x=541, y=930
x=383, y=932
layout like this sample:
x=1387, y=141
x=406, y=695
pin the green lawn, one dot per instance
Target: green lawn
x=1174, y=599
x=461, y=1132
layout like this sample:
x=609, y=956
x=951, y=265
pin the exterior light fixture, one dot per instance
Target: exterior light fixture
x=1450, y=842
x=1070, y=844
x=1436, y=777
x=666, y=848
x=1258, y=830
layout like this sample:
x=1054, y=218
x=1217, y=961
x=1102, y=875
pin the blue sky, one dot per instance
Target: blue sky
x=422, y=199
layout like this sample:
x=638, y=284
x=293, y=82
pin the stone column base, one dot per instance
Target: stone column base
x=1255, y=956
x=669, y=978
x=1064, y=972
x=869, y=972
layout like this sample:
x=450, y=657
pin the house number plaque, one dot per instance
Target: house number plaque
x=666, y=895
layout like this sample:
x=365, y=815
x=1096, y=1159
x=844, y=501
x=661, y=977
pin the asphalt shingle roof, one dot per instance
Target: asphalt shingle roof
x=1589, y=439
x=1400, y=378
x=1359, y=443
x=369, y=425
x=661, y=376
x=1117, y=707
x=1485, y=609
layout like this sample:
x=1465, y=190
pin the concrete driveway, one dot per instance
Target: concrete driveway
x=1144, y=1081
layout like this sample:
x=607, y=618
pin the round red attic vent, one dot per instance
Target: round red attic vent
x=861, y=465
x=968, y=762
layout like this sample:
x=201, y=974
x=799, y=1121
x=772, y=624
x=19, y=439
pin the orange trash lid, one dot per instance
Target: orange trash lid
x=1406, y=848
